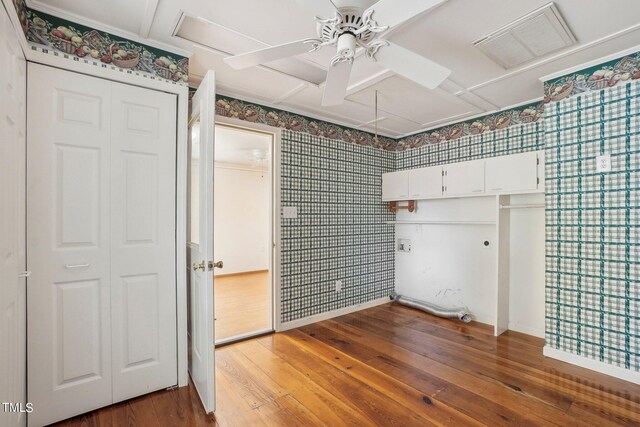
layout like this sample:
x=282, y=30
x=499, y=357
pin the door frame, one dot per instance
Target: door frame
x=182, y=118
x=275, y=214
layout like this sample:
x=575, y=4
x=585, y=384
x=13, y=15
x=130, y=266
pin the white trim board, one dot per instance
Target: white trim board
x=594, y=365
x=601, y=60
x=331, y=314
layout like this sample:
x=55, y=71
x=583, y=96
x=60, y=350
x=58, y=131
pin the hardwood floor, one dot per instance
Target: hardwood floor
x=391, y=365
x=242, y=304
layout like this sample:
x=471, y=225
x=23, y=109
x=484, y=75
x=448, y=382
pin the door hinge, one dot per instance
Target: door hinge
x=537, y=160
x=538, y=180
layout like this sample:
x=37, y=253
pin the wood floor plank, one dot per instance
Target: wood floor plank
x=510, y=367
x=255, y=387
x=238, y=413
x=520, y=377
x=377, y=407
x=388, y=366
x=423, y=357
x=316, y=399
x=411, y=398
x=475, y=405
x=287, y=411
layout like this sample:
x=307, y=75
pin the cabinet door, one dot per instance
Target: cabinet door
x=465, y=178
x=512, y=174
x=395, y=186
x=425, y=182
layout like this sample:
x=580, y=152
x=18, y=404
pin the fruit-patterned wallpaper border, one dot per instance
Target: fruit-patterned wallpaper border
x=528, y=113
x=601, y=76
x=50, y=34
x=244, y=110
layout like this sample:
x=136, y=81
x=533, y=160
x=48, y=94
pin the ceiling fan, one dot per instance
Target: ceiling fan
x=349, y=25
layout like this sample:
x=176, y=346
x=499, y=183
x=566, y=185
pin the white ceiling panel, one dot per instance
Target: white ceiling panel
x=349, y=113
x=406, y=99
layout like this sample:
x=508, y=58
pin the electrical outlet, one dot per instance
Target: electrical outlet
x=603, y=163
x=404, y=245
x=338, y=285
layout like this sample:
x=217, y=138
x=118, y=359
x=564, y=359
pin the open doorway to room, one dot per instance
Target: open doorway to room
x=243, y=235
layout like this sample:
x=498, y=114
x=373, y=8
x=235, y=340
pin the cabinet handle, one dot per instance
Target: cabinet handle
x=77, y=265
x=495, y=189
x=24, y=274
x=477, y=191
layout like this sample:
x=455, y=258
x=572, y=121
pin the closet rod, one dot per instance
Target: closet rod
x=521, y=206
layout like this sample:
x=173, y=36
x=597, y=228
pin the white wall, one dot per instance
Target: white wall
x=448, y=264
x=12, y=222
x=241, y=218
x=526, y=266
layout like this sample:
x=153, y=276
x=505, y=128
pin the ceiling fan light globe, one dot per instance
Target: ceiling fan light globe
x=347, y=45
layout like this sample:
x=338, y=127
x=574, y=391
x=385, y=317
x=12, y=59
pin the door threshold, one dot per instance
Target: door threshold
x=243, y=337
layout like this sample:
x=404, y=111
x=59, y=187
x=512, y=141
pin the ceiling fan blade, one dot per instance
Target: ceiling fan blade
x=337, y=81
x=268, y=54
x=390, y=13
x=409, y=64
x=320, y=8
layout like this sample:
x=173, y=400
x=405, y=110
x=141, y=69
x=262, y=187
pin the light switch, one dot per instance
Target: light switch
x=290, y=212
x=603, y=163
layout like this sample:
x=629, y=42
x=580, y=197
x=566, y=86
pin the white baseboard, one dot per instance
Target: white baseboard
x=331, y=314
x=594, y=365
x=527, y=329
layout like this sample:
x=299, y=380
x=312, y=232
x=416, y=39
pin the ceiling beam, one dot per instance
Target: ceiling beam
x=290, y=93
x=150, y=8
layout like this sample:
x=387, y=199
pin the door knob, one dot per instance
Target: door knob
x=213, y=265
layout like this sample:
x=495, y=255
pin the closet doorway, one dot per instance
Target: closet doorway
x=243, y=233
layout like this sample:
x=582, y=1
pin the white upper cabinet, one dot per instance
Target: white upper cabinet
x=464, y=178
x=425, y=182
x=515, y=173
x=395, y=186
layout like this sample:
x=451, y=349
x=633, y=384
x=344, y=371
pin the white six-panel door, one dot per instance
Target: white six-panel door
x=12, y=224
x=143, y=270
x=200, y=246
x=68, y=244
x=101, y=242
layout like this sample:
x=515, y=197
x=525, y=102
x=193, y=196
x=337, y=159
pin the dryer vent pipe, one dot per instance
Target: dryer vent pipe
x=459, y=313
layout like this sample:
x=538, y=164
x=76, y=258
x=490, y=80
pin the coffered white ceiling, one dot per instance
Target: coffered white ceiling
x=446, y=34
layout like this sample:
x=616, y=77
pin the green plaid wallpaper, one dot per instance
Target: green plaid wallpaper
x=511, y=140
x=592, y=226
x=341, y=232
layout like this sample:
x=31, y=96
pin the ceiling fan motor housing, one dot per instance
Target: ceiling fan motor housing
x=347, y=20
